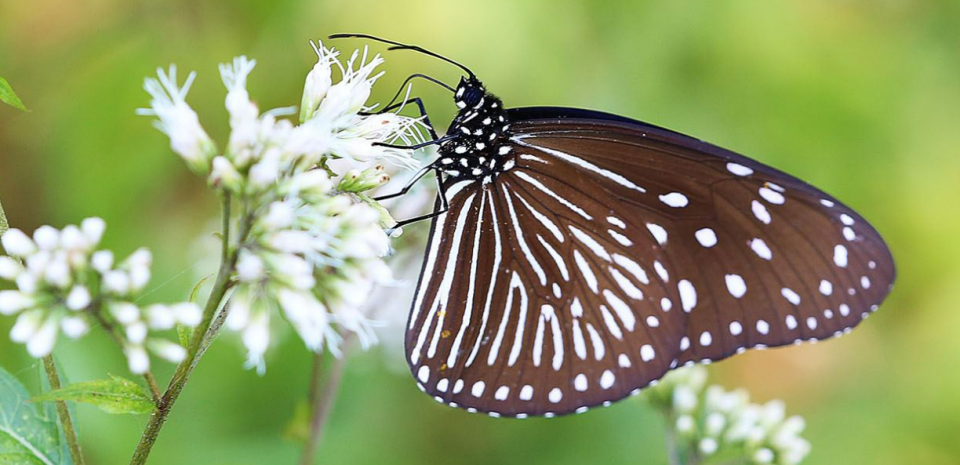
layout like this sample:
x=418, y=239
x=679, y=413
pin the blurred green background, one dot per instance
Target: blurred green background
x=859, y=97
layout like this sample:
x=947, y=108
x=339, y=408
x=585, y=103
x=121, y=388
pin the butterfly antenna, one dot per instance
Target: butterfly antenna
x=401, y=46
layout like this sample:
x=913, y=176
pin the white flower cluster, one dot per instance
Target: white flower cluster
x=64, y=284
x=313, y=249
x=721, y=423
x=318, y=262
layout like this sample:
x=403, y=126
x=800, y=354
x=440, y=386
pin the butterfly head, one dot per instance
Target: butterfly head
x=469, y=93
x=474, y=148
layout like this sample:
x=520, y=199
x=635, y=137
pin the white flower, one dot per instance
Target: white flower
x=346, y=98
x=41, y=342
x=16, y=243
x=318, y=80
x=102, y=261
x=226, y=175
x=167, y=350
x=74, y=326
x=177, y=120
x=46, y=237
x=308, y=316
x=708, y=446
x=244, y=115
x=53, y=294
x=10, y=269
x=723, y=422
x=137, y=359
x=93, y=228
x=14, y=301
x=78, y=298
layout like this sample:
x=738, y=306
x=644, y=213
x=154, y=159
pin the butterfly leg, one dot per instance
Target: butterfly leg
x=423, y=114
x=417, y=146
x=439, y=210
x=415, y=179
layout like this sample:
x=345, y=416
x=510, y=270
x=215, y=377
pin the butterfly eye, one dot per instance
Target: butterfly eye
x=472, y=96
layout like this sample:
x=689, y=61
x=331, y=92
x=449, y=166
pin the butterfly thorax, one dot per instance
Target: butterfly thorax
x=475, y=150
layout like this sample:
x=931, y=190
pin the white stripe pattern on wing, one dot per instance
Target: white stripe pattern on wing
x=546, y=190
x=518, y=232
x=443, y=292
x=584, y=164
x=468, y=311
x=497, y=257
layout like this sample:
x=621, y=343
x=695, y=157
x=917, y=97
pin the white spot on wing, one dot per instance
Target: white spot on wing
x=739, y=169
x=760, y=211
x=658, y=232
x=688, y=295
x=840, y=256
x=736, y=285
x=675, y=200
x=760, y=248
x=772, y=196
x=706, y=237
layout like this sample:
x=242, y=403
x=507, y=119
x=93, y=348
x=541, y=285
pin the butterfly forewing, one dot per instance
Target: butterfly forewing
x=611, y=251
x=762, y=258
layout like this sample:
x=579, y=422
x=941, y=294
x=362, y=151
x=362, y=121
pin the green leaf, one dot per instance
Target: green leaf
x=185, y=333
x=9, y=97
x=114, y=395
x=27, y=435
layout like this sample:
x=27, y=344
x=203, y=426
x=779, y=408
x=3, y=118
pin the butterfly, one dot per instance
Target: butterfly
x=575, y=257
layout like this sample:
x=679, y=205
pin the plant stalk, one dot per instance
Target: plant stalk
x=66, y=423
x=322, y=398
x=200, y=334
x=63, y=413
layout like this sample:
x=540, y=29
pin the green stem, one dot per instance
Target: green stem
x=200, y=334
x=109, y=327
x=670, y=439
x=66, y=423
x=322, y=398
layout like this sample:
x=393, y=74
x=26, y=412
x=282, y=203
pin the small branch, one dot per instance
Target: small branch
x=112, y=331
x=154, y=389
x=203, y=332
x=69, y=432
x=322, y=398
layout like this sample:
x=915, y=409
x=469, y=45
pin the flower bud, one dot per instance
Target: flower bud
x=10, y=269
x=137, y=360
x=42, y=341
x=361, y=181
x=187, y=313
x=93, y=228
x=160, y=317
x=78, y=298
x=16, y=243
x=225, y=175
x=46, y=237
x=116, y=282
x=74, y=326
x=102, y=261
x=14, y=301
x=167, y=350
x=318, y=81
x=26, y=325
